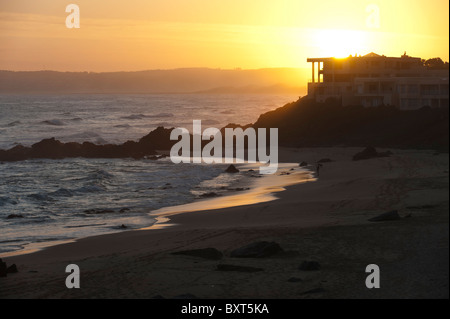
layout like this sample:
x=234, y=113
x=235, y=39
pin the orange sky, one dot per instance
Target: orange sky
x=162, y=34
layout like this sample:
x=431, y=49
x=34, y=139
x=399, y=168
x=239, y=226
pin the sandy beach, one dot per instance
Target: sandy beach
x=324, y=220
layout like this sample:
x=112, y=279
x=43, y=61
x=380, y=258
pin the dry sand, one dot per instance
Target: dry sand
x=325, y=220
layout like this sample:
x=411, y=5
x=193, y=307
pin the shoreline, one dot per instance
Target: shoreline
x=260, y=190
x=326, y=220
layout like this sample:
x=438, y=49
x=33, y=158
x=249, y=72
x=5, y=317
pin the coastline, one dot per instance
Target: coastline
x=324, y=220
x=262, y=188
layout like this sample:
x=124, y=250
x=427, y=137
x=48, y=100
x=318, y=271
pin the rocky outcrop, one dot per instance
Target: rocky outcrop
x=232, y=169
x=303, y=164
x=306, y=123
x=4, y=270
x=158, y=139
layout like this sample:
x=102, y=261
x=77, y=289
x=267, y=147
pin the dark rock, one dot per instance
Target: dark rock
x=3, y=268
x=14, y=216
x=54, y=149
x=370, y=152
x=209, y=195
x=231, y=169
x=123, y=210
x=206, y=253
x=48, y=148
x=303, y=164
x=158, y=139
x=294, y=279
x=12, y=269
x=392, y=215
x=239, y=189
x=186, y=296
x=260, y=249
x=309, y=266
x=325, y=160
x=17, y=153
x=225, y=267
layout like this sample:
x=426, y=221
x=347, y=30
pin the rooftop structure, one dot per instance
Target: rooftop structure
x=373, y=80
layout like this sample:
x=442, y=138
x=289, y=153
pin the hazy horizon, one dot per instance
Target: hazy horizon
x=144, y=35
x=182, y=80
x=165, y=69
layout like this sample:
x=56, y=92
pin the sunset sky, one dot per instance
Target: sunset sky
x=163, y=34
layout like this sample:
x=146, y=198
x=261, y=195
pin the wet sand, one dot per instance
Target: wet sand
x=325, y=220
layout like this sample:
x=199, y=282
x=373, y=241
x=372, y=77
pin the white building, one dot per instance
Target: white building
x=373, y=80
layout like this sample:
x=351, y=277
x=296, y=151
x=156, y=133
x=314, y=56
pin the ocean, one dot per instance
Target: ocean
x=44, y=201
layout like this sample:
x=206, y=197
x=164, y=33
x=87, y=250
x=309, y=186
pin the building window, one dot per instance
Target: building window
x=373, y=88
x=413, y=89
x=427, y=89
x=402, y=88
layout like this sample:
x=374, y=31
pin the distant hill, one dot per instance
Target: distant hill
x=271, y=80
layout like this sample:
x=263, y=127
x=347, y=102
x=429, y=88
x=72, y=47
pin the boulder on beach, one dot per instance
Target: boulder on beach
x=392, y=215
x=303, y=164
x=206, y=253
x=3, y=269
x=231, y=169
x=12, y=269
x=209, y=195
x=259, y=249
